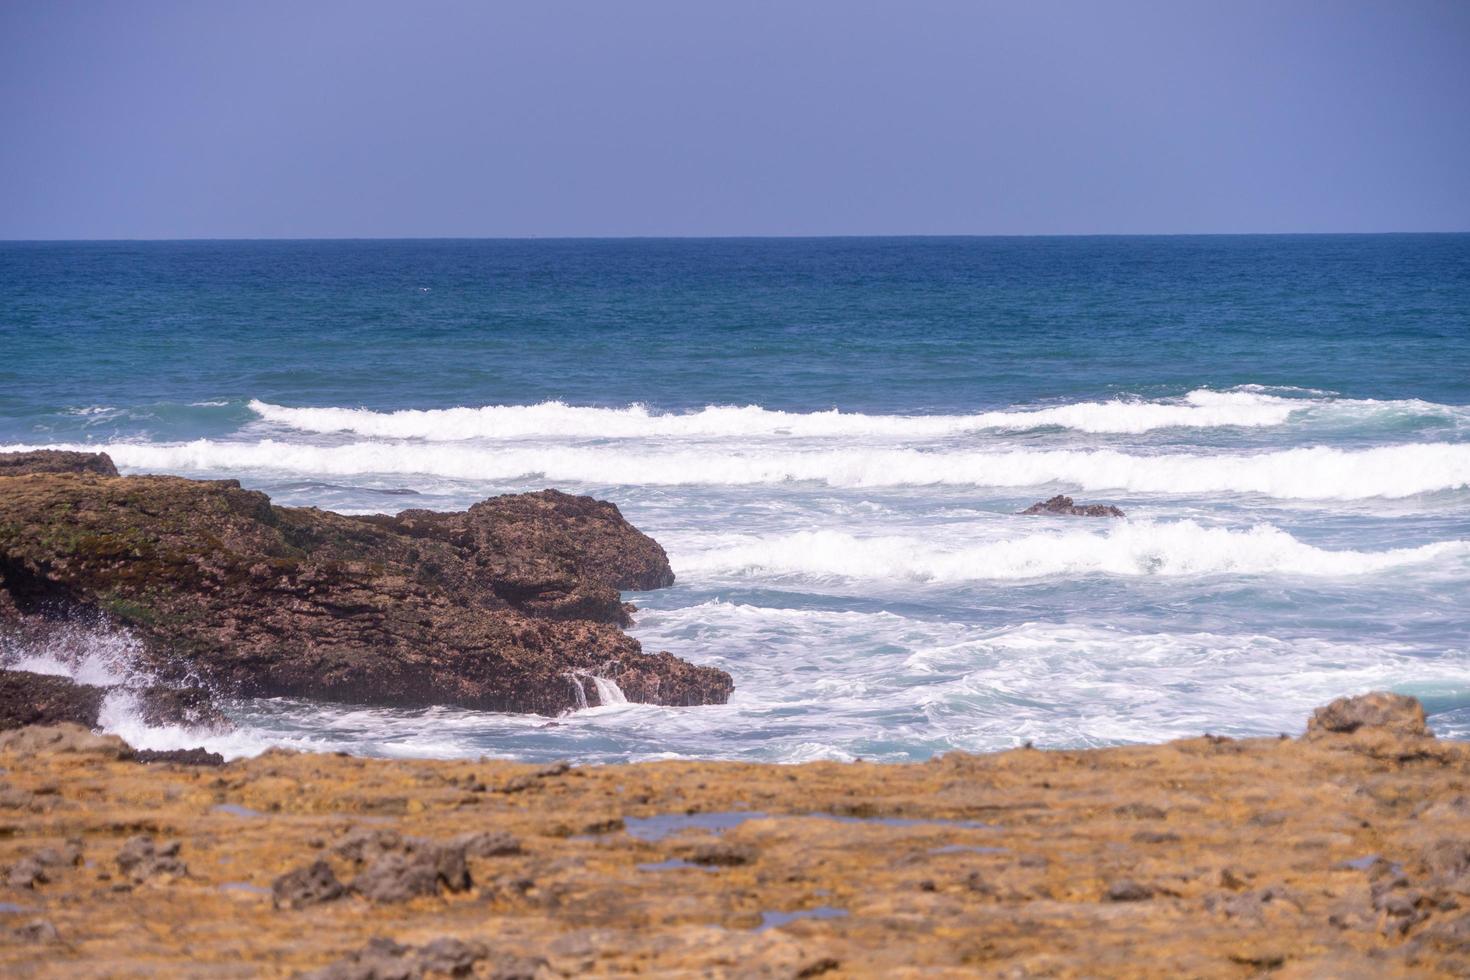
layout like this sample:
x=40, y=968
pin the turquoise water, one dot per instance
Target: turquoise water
x=831, y=438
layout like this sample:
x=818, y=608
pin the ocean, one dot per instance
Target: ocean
x=832, y=439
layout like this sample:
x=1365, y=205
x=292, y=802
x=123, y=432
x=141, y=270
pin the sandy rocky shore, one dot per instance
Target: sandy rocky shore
x=1343, y=852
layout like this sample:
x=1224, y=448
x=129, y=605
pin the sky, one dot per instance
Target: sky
x=367, y=119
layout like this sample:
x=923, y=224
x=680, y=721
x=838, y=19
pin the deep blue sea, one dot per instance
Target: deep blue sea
x=832, y=437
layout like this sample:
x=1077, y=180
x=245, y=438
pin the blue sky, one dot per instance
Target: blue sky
x=366, y=119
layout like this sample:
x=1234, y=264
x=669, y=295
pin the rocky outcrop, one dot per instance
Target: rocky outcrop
x=56, y=461
x=1396, y=714
x=40, y=699
x=28, y=698
x=1063, y=506
x=513, y=605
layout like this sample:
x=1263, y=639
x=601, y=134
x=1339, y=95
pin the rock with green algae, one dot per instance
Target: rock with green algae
x=511, y=606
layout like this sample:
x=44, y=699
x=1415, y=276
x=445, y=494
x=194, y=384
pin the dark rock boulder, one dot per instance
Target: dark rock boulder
x=507, y=606
x=180, y=757
x=552, y=554
x=188, y=707
x=28, y=698
x=56, y=461
x=311, y=885
x=41, y=699
x=1063, y=506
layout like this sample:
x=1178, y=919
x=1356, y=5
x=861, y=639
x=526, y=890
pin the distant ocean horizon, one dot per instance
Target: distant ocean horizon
x=832, y=438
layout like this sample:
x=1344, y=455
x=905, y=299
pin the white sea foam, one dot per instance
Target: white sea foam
x=88, y=655
x=945, y=684
x=1179, y=548
x=1317, y=473
x=1202, y=408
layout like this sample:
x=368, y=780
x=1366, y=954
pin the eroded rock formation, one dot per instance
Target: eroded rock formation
x=513, y=605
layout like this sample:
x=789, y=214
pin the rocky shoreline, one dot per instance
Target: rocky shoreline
x=1343, y=853
x=513, y=605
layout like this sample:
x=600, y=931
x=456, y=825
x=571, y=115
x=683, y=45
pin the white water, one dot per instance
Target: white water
x=868, y=584
x=1123, y=548
x=608, y=692
x=1202, y=408
x=1317, y=473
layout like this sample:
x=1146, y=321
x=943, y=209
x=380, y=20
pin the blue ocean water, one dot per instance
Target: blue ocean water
x=831, y=437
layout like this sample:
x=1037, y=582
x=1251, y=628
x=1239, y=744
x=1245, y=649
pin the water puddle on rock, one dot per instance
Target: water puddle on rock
x=673, y=864
x=245, y=887
x=774, y=920
x=660, y=826
x=235, y=810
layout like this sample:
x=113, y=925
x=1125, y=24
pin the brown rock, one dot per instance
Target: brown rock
x=62, y=739
x=1396, y=714
x=1128, y=890
x=384, y=959
x=1001, y=867
x=56, y=461
x=41, y=699
x=140, y=859
x=499, y=608
x=312, y=885
x=1063, y=506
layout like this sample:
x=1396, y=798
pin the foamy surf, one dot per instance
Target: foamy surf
x=1202, y=408
x=1163, y=549
x=1315, y=473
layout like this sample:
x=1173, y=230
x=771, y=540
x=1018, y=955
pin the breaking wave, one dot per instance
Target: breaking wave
x=1198, y=409
x=1179, y=548
x=1317, y=473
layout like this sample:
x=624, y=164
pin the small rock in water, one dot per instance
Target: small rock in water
x=1064, y=506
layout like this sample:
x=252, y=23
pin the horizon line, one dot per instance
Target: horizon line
x=705, y=238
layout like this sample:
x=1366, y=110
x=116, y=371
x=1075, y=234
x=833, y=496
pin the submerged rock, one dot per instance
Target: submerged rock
x=510, y=606
x=1063, y=505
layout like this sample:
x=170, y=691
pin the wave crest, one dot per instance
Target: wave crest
x=1175, y=549
x=1198, y=409
x=1317, y=473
